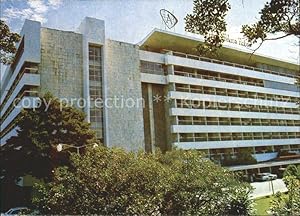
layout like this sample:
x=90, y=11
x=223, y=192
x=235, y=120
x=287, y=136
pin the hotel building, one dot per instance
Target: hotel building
x=173, y=97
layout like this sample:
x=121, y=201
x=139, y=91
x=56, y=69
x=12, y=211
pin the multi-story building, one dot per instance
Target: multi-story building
x=159, y=93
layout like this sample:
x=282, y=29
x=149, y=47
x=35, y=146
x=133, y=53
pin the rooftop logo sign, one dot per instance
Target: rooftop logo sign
x=168, y=18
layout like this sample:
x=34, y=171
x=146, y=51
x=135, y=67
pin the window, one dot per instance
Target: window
x=95, y=89
x=95, y=92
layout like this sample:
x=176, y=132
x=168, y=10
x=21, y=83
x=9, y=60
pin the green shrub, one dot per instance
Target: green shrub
x=111, y=181
x=292, y=170
x=287, y=204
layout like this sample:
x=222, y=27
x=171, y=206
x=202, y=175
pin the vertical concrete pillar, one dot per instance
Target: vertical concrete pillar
x=86, y=81
x=151, y=118
x=168, y=105
x=208, y=153
x=170, y=70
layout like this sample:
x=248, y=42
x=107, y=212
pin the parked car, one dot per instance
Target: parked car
x=262, y=177
x=16, y=211
x=272, y=176
x=265, y=176
x=21, y=211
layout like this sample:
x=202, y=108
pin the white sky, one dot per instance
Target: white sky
x=132, y=20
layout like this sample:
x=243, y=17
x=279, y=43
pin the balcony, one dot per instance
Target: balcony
x=228, y=68
x=13, y=111
x=231, y=129
x=28, y=101
x=203, y=144
x=200, y=58
x=12, y=132
x=207, y=77
x=29, y=79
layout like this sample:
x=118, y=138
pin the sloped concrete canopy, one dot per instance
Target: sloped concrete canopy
x=159, y=39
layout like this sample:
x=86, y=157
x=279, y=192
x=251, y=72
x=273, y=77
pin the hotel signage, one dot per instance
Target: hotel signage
x=238, y=41
x=168, y=18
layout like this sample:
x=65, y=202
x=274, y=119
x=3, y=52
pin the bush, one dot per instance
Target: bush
x=292, y=170
x=111, y=181
x=289, y=204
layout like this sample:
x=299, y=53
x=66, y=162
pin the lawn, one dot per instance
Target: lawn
x=262, y=205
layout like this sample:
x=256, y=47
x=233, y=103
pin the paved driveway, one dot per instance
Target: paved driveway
x=265, y=188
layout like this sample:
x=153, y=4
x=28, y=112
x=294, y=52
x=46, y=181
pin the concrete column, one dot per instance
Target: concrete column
x=86, y=81
x=170, y=69
x=208, y=153
x=176, y=122
x=151, y=117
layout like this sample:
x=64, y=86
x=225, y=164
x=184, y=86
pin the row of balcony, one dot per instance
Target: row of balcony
x=200, y=58
x=233, y=93
x=195, y=120
x=199, y=137
x=8, y=92
x=208, y=105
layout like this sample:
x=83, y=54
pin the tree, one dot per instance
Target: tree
x=288, y=204
x=208, y=19
x=292, y=170
x=8, y=41
x=113, y=182
x=32, y=151
x=277, y=16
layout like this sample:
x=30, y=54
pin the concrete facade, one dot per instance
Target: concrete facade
x=61, y=66
x=124, y=82
x=221, y=106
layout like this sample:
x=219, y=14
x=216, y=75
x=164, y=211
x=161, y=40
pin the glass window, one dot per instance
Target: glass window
x=95, y=89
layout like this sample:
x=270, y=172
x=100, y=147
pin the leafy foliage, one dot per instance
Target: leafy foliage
x=8, y=40
x=112, y=182
x=208, y=19
x=277, y=16
x=292, y=170
x=287, y=204
x=33, y=151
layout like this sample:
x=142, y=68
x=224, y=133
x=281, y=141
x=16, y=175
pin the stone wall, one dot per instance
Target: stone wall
x=61, y=63
x=124, y=125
